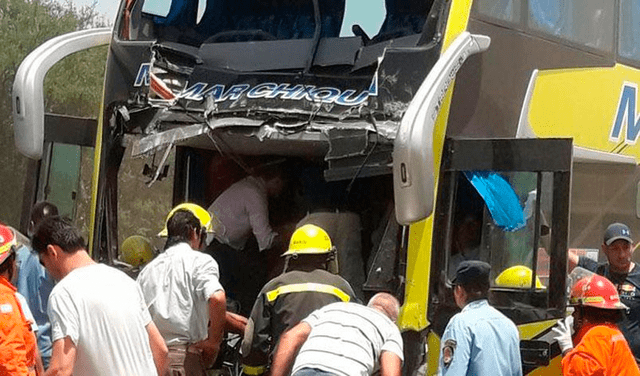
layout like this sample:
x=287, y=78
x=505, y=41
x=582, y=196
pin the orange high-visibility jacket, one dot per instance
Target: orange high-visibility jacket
x=17, y=342
x=601, y=351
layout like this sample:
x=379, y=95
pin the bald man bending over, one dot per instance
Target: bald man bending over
x=344, y=339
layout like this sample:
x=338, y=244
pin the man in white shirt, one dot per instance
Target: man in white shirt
x=244, y=233
x=185, y=298
x=100, y=323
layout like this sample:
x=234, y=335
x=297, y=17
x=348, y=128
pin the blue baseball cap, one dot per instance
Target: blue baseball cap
x=617, y=231
x=472, y=272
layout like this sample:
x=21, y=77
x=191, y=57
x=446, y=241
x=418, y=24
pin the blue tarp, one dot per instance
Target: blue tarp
x=500, y=198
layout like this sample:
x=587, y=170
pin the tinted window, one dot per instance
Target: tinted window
x=586, y=22
x=629, y=39
x=506, y=10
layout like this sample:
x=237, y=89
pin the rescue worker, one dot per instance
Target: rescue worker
x=623, y=273
x=136, y=251
x=18, y=349
x=283, y=302
x=183, y=293
x=601, y=348
x=479, y=340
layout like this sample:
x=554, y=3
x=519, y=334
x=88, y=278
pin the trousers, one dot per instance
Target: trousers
x=185, y=361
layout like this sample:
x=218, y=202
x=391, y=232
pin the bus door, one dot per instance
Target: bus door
x=66, y=161
x=506, y=202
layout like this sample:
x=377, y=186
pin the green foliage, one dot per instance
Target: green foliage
x=73, y=87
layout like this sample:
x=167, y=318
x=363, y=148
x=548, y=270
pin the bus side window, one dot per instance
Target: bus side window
x=629, y=30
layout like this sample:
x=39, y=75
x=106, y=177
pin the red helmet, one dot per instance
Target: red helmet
x=7, y=241
x=596, y=291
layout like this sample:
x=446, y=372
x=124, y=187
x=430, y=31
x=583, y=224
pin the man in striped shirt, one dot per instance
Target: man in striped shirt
x=344, y=339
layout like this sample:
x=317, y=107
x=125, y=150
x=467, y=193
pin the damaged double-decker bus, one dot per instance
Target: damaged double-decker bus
x=442, y=130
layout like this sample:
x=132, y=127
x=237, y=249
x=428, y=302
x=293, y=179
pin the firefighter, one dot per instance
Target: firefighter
x=601, y=348
x=18, y=349
x=136, y=251
x=283, y=302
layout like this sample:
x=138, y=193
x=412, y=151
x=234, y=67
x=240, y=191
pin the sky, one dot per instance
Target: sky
x=361, y=12
x=106, y=8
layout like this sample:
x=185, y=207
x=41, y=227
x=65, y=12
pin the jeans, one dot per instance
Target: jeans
x=312, y=372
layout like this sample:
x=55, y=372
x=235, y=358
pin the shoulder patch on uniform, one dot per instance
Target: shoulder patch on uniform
x=448, y=350
x=6, y=308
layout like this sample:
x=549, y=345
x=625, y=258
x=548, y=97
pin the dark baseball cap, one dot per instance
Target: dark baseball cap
x=472, y=272
x=617, y=231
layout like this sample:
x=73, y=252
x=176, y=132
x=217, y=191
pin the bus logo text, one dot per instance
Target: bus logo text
x=626, y=115
x=269, y=90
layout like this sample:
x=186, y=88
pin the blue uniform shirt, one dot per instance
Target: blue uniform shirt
x=35, y=284
x=480, y=341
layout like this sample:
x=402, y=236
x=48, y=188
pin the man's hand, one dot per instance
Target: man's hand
x=217, y=321
x=210, y=350
x=563, y=334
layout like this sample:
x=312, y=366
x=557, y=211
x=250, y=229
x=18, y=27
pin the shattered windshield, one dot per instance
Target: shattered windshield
x=195, y=22
x=223, y=21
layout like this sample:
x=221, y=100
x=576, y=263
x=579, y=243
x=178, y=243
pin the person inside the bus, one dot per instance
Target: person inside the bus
x=465, y=243
x=623, y=273
x=244, y=233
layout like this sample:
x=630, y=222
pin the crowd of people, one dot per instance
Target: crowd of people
x=62, y=313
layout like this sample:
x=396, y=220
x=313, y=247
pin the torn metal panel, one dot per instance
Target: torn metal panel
x=149, y=143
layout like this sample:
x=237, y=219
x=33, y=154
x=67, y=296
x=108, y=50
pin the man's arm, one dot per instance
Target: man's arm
x=217, y=321
x=290, y=343
x=63, y=358
x=158, y=349
x=390, y=364
x=235, y=323
x=257, y=343
x=572, y=259
x=258, y=209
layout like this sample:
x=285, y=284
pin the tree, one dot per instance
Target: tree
x=72, y=87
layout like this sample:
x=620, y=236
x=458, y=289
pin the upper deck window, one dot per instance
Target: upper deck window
x=629, y=38
x=195, y=22
x=368, y=14
x=505, y=10
x=587, y=23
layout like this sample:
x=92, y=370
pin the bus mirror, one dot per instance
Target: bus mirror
x=413, y=160
x=27, y=95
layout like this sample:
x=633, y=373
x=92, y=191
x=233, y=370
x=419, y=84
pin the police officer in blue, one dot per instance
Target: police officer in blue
x=479, y=340
x=623, y=273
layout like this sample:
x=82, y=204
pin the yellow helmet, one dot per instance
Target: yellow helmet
x=309, y=240
x=203, y=216
x=517, y=277
x=136, y=250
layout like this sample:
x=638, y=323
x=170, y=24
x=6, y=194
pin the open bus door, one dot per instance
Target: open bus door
x=506, y=202
x=56, y=177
